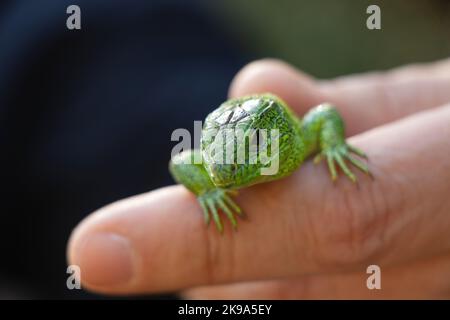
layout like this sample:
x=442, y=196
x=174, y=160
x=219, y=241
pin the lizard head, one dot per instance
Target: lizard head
x=244, y=136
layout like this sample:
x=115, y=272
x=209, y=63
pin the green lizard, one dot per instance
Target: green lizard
x=321, y=133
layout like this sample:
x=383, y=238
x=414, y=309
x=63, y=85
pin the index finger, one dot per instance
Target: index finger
x=364, y=100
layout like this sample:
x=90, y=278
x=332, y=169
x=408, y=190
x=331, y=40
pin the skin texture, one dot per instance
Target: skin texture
x=321, y=132
x=315, y=239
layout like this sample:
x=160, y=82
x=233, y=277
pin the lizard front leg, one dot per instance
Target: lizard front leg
x=211, y=198
x=324, y=134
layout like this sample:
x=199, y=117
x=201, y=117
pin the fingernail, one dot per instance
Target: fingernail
x=105, y=259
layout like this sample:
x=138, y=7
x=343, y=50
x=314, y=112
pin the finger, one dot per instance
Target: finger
x=299, y=90
x=299, y=225
x=365, y=100
x=427, y=279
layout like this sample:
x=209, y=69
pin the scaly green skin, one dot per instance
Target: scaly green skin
x=320, y=133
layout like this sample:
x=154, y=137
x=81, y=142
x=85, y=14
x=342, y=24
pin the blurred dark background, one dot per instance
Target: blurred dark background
x=86, y=116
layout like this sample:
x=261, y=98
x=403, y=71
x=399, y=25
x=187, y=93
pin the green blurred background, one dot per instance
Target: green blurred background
x=328, y=38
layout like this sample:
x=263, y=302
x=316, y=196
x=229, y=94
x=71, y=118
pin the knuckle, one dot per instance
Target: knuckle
x=218, y=260
x=355, y=235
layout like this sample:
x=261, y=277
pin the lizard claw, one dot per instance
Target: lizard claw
x=216, y=199
x=340, y=155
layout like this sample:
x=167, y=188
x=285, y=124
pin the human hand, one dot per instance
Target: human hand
x=306, y=237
